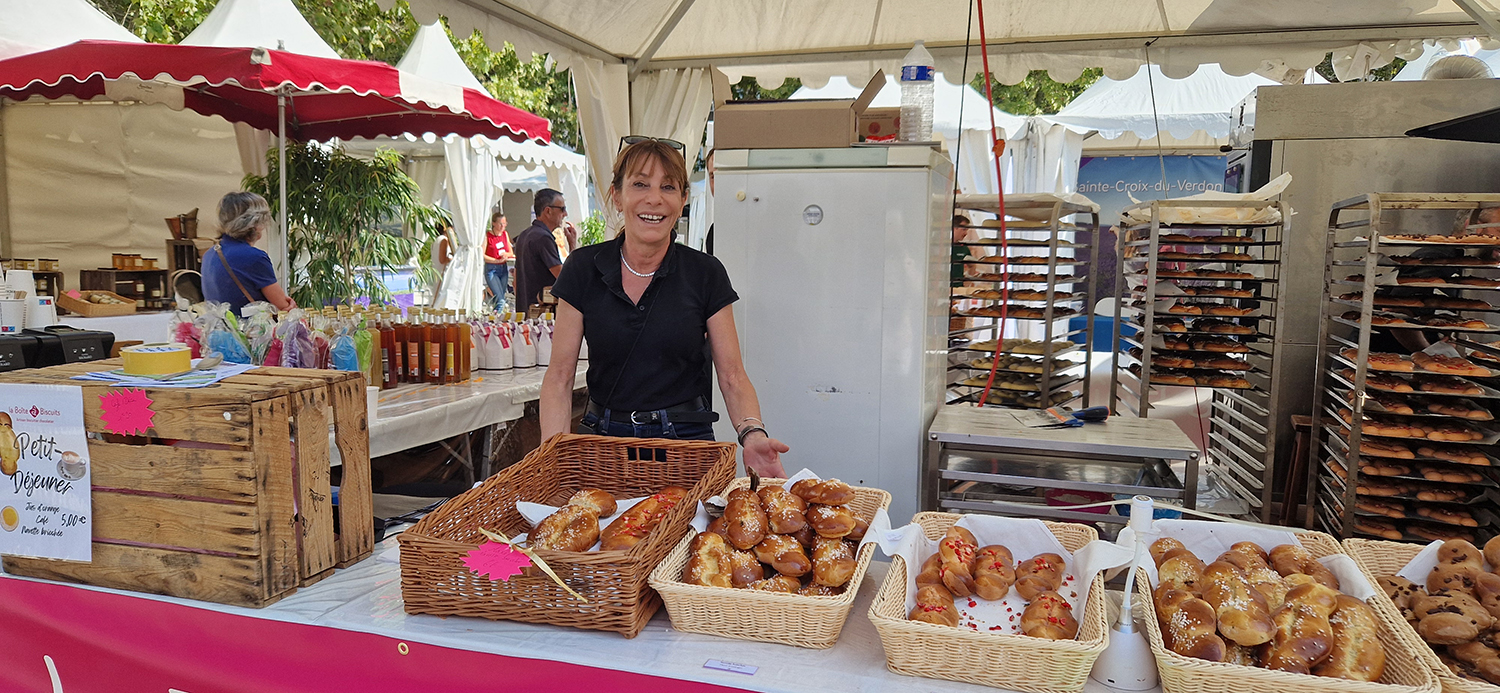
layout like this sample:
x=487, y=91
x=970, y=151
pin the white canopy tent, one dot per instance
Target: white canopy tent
x=474, y=170
x=80, y=181
x=638, y=67
x=259, y=24
x=1191, y=113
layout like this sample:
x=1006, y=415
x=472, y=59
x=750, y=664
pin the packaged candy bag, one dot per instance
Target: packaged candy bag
x=479, y=336
x=260, y=329
x=222, y=335
x=543, y=330
x=186, y=331
x=297, y=347
x=502, y=349
x=343, y=352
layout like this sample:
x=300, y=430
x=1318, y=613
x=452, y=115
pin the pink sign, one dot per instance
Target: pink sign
x=61, y=639
x=127, y=412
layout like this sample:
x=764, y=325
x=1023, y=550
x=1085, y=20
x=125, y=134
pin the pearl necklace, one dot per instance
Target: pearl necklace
x=646, y=275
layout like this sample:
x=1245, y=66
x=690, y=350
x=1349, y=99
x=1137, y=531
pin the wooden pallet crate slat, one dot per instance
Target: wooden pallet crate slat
x=176, y=522
x=351, y=432
x=277, y=505
x=319, y=552
x=221, y=579
x=227, y=475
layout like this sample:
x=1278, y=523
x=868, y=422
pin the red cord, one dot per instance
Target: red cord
x=998, y=147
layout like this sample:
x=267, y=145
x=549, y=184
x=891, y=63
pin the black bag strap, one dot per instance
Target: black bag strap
x=225, y=261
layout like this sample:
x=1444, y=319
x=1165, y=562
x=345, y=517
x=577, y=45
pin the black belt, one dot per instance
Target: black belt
x=695, y=410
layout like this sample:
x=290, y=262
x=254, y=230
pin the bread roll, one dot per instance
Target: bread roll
x=744, y=519
x=708, y=562
x=1241, y=610
x=1248, y=557
x=717, y=526
x=634, y=524
x=1304, y=635
x=744, y=570
x=570, y=528
x=931, y=572
x=1357, y=652
x=833, y=562
x=832, y=521
x=786, y=512
x=993, y=572
x=598, y=499
x=1042, y=573
x=1289, y=559
x=813, y=589
x=1449, y=618
x=1487, y=591
x=1235, y=653
x=1484, y=659
x=934, y=605
x=1188, y=624
x=1492, y=552
x=779, y=583
x=1181, y=570
x=804, y=536
x=1049, y=617
x=784, y=554
x=830, y=492
x=1160, y=547
x=956, y=551
x=861, y=525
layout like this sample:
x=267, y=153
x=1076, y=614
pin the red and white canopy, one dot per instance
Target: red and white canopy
x=327, y=98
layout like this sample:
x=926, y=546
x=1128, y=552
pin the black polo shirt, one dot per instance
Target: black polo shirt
x=669, y=365
x=536, y=255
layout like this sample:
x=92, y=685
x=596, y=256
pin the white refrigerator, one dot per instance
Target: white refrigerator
x=841, y=261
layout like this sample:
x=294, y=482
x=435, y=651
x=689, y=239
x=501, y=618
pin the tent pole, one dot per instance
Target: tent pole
x=281, y=258
x=5, y=240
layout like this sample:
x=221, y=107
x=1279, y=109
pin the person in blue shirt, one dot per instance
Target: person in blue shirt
x=234, y=270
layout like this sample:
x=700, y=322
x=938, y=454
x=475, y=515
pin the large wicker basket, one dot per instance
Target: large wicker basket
x=1181, y=674
x=1015, y=662
x=434, y=579
x=791, y=619
x=1382, y=558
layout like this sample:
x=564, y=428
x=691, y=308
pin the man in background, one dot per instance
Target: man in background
x=538, y=260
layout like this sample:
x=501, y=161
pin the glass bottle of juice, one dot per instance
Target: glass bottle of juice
x=389, y=360
x=432, y=337
x=414, y=372
x=465, y=347
x=450, y=347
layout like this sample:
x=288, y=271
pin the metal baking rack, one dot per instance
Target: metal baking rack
x=1063, y=235
x=1345, y=500
x=1229, y=259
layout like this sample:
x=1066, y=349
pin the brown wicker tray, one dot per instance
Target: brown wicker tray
x=434, y=579
x=1404, y=673
x=791, y=619
x=1380, y=558
x=1015, y=662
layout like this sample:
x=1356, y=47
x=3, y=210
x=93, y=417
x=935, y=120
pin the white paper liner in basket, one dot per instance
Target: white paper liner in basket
x=1421, y=565
x=1024, y=537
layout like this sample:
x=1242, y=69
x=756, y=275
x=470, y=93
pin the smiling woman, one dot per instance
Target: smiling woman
x=654, y=313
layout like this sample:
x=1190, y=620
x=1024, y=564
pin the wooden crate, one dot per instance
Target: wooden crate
x=243, y=516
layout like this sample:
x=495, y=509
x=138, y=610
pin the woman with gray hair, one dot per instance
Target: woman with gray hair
x=234, y=270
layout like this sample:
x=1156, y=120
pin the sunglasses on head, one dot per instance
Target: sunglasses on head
x=628, y=140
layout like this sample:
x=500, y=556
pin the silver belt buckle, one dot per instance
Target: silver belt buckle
x=640, y=423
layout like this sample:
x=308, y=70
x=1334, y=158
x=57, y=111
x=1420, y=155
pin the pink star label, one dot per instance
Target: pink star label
x=497, y=561
x=127, y=412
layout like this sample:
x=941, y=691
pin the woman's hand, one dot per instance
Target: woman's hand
x=763, y=454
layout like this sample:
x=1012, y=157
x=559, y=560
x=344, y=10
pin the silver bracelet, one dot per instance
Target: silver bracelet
x=751, y=429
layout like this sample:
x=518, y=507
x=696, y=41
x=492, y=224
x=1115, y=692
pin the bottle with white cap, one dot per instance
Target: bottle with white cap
x=917, y=75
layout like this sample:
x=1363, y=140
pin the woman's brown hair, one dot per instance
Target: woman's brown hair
x=635, y=156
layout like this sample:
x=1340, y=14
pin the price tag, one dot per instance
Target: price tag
x=745, y=669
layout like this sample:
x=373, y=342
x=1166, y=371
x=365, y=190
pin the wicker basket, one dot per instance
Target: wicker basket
x=1181, y=674
x=1015, y=662
x=791, y=619
x=434, y=579
x=1381, y=558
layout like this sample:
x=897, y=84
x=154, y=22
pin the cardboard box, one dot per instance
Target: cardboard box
x=801, y=124
x=880, y=125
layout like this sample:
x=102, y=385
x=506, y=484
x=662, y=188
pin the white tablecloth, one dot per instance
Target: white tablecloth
x=366, y=597
x=412, y=415
x=145, y=327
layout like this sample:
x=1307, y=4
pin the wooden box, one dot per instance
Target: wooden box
x=239, y=510
x=83, y=306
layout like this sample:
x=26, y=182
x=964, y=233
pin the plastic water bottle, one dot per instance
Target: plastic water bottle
x=917, y=74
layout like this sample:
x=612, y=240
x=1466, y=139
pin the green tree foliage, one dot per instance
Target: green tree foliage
x=1380, y=74
x=336, y=205
x=1038, y=94
x=360, y=30
x=747, y=89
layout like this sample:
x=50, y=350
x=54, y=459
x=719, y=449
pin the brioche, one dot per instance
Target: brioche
x=1357, y=654
x=1304, y=635
x=1241, y=610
